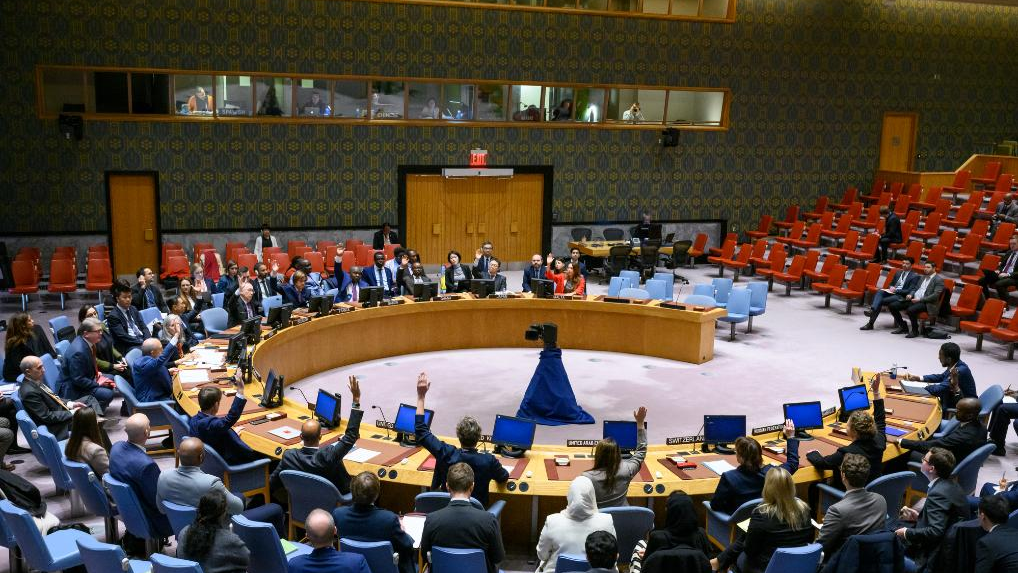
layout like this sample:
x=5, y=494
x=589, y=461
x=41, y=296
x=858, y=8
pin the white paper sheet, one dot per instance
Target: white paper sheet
x=414, y=527
x=285, y=432
x=193, y=375
x=718, y=466
x=360, y=455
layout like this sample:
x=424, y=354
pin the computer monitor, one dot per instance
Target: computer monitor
x=805, y=416
x=315, y=303
x=327, y=408
x=853, y=398
x=623, y=432
x=252, y=329
x=284, y=315
x=324, y=306
x=238, y=343
x=425, y=291
x=513, y=436
x=654, y=232
x=406, y=417
x=370, y=296
x=481, y=288
x=272, y=394
x=719, y=431
x=542, y=288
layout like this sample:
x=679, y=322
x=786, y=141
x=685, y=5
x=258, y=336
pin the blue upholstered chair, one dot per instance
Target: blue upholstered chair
x=52, y=374
x=271, y=302
x=56, y=324
x=246, y=480
x=150, y=315
x=795, y=559
x=90, y=489
x=435, y=500
x=721, y=527
x=131, y=512
x=616, y=284
x=722, y=288
x=567, y=563
x=637, y=293
x=308, y=492
x=30, y=431
x=218, y=299
x=451, y=560
x=631, y=525
x=704, y=290
x=699, y=300
x=215, y=320
x=657, y=289
x=99, y=557
x=180, y=515
x=633, y=276
x=54, y=552
x=738, y=309
x=669, y=280
x=757, y=301
x=267, y=553
x=178, y=426
x=166, y=564
x=891, y=487
x=379, y=554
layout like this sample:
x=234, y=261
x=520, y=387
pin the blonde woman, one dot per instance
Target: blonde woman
x=782, y=520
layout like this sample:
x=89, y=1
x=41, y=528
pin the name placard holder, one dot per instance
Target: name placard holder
x=680, y=440
x=581, y=443
x=767, y=429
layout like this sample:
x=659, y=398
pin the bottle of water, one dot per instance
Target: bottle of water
x=894, y=372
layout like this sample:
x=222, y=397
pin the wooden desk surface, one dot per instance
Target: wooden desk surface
x=601, y=248
x=313, y=347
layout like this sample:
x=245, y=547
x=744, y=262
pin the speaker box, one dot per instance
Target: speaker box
x=670, y=137
x=71, y=126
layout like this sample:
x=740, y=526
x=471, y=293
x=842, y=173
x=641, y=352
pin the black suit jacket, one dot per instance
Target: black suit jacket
x=324, y=462
x=873, y=450
x=997, y=551
x=892, y=228
x=450, y=279
x=911, y=283
x=408, y=282
x=372, y=523
x=122, y=340
x=44, y=409
x=139, y=301
x=273, y=284
x=945, y=505
x=460, y=525
x=237, y=312
x=480, y=268
x=763, y=537
x=530, y=273
x=378, y=241
x=962, y=441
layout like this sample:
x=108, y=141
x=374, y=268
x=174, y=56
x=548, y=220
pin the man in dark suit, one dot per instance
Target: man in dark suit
x=152, y=378
x=500, y=283
x=903, y=284
x=968, y=436
x=365, y=521
x=460, y=525
x=324, y=462
x=952, y=384
x=1006, y=276
x=892, y=233
x=243, y=306
x=484, y=466
x=322, y=533
x=265, y=284
x=945, y=504
x=216, y=431
x=145, y=293
x=384, y=237
x=997, y=551
x=130, y=464
x=350, y=285
x=43, y=406
x=860, y=511
x=379, y=275
x=482, y=259
x=925, y=297
x=535, y=270
x=1000, y=419
x=81, y=375
x=415, y=276
x=126, y=325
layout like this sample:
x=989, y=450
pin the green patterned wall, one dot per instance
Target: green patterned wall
x=811, y=80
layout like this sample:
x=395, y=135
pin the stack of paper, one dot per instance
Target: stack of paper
x=718, y=466
x=413, y=525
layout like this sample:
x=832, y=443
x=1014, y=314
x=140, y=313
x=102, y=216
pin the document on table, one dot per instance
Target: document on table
x=285, y=432
x=361, y=455
x=914, y=387
x=718, y=466
x=208, y=356
x=413, y=525
x=193, y=375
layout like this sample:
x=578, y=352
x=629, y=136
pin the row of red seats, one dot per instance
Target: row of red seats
x=63, y=272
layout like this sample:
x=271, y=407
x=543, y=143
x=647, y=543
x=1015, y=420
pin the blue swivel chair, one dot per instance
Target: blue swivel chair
x=99, y=557
x=271, y=302
x=616, y=284
x=891, y=487
x=93, y=495
x=567, y=563
x=657, y=289
x=52, y=374
x=178, y=427
x=7, y=540
x=30, y=431
x=308, y=492
x=631, y=525
x=54, y=552
x=56, y=324
x=704, y=290
x=180, y=515
x=636, y=293
x=795, y=559
x=214, y=319
x=451, y=560
x=218, y=299
x=267, y=553
x=430, y=501
x=166, y=564
x=700, y=300
x=738, y=309
x=722, y=288
x=246, y=480
x=150, y=315
x=757, y=301
x=131, y=513
x=721, y=527
x=633, y=276
x=669, y=280
x=379, y=554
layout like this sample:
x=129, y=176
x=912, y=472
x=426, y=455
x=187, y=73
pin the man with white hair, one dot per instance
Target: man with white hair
x=81, y=376
x=152, y=377
x=43, y=405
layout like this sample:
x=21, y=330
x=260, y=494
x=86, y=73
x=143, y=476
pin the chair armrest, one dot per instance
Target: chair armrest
x=248, y=466
x=719, y=515
x=831, y=491
x=496, y=508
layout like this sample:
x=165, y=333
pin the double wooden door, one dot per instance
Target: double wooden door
x=459, y=214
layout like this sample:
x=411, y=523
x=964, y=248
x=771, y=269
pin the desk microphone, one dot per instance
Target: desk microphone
x=384, y=420
x=703, y=447
x=303, y=395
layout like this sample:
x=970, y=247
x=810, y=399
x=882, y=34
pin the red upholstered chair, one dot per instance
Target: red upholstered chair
x=1003, y=183
x=267, y=252
x=232, y=249
x=249, y=260
x=818, y=209
x=914, y=253
x=936, y=256
x=317, y=262
x=63, y=278
x=794, y=233
x=996, y=198
x=854, y=292
x=811, y=275
x=895, y=191
x=847, y=199
x=321, y=246
x=879, y=185
x=99, y=276
x=869, y=222
x=298, y=251
x=351, y=245
x=811, y=240
x=281, y=259
x=1000, y=238
x=931, y=227
x=835, y=278
x=990, y=173
x=872, y=278
x=698, y=249
x=792, y=275
x=906, y=238
x=979, y=227
x=960, y=184
x=348, y=260
x=756, y=258
x=176, y=267
x=329, y=255
x=915, y=192
x=291, y=245
x=902, y=205
x=715, y=251
x=738, y=262
x=967, y=253
x=201, y=247
x=390, y=250
x=763, y=229
x=26, y=280
x=989, y=318
x=867, y=251
x=947, y=239
x=840, y=228
x=363, y=254
x=962, y=219
x=989, y=262
x=791, y=216
x=847, y=245
x=968, y=300
x=774, y=262
x=930, y=201
x=1007, y=333
x=873, y=287
x=727, y=252
x=887, y=196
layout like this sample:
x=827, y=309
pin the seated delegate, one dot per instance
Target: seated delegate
x=746, y=481
x=611, y=474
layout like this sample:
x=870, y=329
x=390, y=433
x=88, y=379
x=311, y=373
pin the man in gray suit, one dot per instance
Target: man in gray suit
x=945, y=505
x=859, y=512
x=925, y=297
x=186, y=484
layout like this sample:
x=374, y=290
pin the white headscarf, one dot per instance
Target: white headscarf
x=581, y=502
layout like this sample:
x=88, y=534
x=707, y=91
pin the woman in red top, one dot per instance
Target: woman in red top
x=568, y=282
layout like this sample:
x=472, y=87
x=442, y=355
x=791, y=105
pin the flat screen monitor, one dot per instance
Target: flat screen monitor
x=272, y=395
x=325, y=306
x=481, y=288
x=406, y=417
x=252, y=329
x=327, y=407
x=805, y=416
x=542, y=288
x=623, y=432
x=513, y=432
x=238, y=343
x=315, y=303
x=370, y=296
x=425, y=291
x=654, y=232
x=723, y=430
x=853, y=398
x=270, y=383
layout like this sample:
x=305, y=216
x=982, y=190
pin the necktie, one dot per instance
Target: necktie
x=47, y=390
x=354, y=295
x=247, y=309
x=132, y=328
x=150, y=298
x=1009, y=267
x=383, y=279
x=95, y=362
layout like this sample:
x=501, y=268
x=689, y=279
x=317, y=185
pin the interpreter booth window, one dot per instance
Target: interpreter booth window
x=274, y=96
x=529, y=2
x=425, y=101
x=623, y=5
x=491, y=102
x=458, y=102
x=236, y=94
x=686, y=7
x=63, y=87
x=655, y=6
x=150, y=93
x=636, y=106
x=526, y=102
x=350, y=99
x=560, y=3
x=715, y=8
x=313, y=98
x=590, y=105
x=107, y=92
x=687, y=107
x=193, y=95
x=593, y=4
x=388, y=100
x=559, y=103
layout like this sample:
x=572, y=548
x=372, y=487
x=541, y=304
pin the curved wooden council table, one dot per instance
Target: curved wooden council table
x=311, y=348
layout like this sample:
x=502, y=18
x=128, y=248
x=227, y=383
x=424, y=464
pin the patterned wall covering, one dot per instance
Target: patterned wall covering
x=810, y=78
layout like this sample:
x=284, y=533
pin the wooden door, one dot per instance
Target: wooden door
x=134, y=221
x=897, y=141
x=459, y=214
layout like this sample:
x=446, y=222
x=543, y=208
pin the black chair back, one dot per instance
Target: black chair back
x=581, y=233
x=614, y=234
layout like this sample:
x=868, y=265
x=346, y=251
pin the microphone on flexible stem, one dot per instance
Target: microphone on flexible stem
x=703, y=447
x=303, y=395
x=384, y=420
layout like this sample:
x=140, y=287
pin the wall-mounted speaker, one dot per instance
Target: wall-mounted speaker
x=670, y=137
x=71, y=127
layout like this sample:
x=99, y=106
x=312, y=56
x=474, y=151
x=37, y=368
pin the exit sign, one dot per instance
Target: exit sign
x=478, y=157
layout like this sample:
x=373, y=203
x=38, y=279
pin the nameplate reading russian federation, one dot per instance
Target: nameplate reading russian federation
x=767, y=429
x=581, y=443
x=678, y=440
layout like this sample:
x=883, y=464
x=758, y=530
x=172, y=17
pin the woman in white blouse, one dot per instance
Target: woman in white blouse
x=567, y=530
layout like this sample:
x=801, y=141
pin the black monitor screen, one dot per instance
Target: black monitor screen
x=252, y=329
x=370, y=295
x=314, y=303
x=284, y=315
x=513, y=432
x=805, y=415
x=425, y=291
x=325, y=306
x=723, y=429
x=270, y=383
x=542, y=288
x=854, y=398
x=623, y=432
x=482, y=287
x=327, y=407
x=406, y=416
x=236, y=348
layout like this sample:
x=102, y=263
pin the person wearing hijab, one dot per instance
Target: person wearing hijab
x=567, y=530
x=681, y=546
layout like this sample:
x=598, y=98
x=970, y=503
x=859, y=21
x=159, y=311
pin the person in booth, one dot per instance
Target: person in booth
x=746, y=481
x=264, y=239
x=536, y=270
x=952, y=384
x=200, y=101
x=379, y=276
x=457, y=275
x=486, y=467
x=383, y=237
x=868, y=436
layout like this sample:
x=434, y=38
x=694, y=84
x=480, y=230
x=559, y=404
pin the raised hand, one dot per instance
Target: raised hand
x=423, y=384
x=355, y=388
x=641, y=415
x=789, y=429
